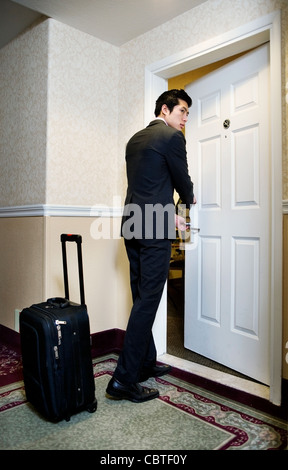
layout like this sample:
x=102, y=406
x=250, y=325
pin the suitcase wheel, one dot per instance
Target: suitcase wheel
x=92, y=407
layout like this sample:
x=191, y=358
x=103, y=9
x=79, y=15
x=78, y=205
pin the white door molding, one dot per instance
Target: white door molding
x=267, y=28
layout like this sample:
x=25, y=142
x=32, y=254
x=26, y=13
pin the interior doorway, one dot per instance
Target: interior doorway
x=176, y=281
x=247, y=36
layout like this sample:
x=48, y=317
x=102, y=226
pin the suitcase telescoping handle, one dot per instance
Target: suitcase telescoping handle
x=67, y=237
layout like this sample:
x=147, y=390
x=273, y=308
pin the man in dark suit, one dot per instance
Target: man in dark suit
x=156, y=164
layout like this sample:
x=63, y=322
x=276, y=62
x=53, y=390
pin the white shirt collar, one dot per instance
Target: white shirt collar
x=162, y=119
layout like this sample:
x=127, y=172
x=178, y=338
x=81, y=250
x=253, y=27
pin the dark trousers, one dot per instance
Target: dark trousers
x=149, y=267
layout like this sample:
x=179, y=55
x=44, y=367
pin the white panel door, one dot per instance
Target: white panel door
x=227, y=298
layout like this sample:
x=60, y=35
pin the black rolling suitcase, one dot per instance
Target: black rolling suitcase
x=56, y=351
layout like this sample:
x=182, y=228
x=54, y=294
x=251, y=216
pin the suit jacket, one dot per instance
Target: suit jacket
x=156, y=164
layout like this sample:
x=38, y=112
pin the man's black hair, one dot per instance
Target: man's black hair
x=171, y=98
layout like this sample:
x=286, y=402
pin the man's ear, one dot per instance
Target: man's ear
x=164, y=109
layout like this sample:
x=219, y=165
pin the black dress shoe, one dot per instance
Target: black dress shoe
x=133, y=392
x=155, y=371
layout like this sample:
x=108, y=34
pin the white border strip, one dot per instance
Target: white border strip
x=44, y=210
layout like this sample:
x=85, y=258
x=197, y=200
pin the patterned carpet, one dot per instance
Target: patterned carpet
x=184, y=418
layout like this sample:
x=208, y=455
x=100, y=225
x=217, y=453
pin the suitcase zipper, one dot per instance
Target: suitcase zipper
x=56, y=352
x=58, y=324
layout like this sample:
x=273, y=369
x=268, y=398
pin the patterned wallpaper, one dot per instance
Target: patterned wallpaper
x=59, y=118
x=69, y=102
x=23, y=112
x=82, y=118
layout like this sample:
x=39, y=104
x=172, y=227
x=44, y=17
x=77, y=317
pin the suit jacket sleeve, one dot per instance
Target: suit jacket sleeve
x=178, y=167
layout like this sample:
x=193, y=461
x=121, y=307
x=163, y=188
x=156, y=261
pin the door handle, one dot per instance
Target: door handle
x=194, y=230
x=190, y=237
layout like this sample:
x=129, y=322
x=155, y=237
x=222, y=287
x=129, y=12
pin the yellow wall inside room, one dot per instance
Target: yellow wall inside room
x=180, y=81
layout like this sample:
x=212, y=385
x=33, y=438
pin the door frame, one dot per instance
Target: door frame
x=243, y=38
